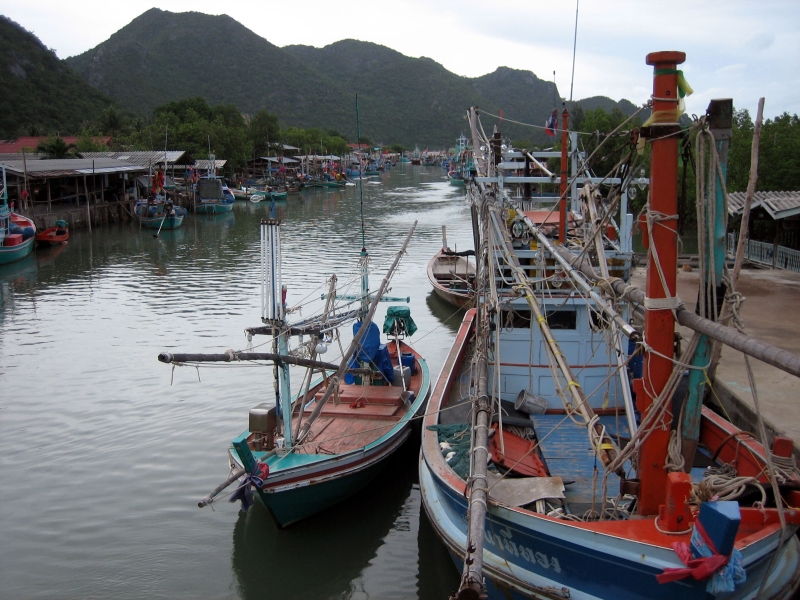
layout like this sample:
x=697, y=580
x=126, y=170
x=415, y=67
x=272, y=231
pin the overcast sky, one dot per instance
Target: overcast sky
x=734, y=48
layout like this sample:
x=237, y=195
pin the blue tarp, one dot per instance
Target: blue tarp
x=373, y=352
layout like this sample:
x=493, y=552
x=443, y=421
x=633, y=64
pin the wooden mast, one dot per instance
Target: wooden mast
x=659, y=324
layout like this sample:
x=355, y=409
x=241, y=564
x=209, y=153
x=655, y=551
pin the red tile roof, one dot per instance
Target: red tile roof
x=30, y=142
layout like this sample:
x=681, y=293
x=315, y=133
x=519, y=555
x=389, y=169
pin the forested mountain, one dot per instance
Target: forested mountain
x=162, y=57
x=40, y=93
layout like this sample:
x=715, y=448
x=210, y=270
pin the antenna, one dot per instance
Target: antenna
x=574, y=46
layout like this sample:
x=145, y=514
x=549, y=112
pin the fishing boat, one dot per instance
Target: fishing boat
x=53, y=236
x=550, y=465
x=452, y=275
x=416, y=158
x=159, y=213
x=17, y=232
x=455, y=178
x=211, y=199
x=329, y=439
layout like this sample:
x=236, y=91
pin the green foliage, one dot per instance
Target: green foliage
x=41, y=94
x=56, y=147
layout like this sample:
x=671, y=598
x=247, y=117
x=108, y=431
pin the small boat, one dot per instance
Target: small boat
x=405, y=159
x=17, y=232
x=54, y=235
x=211, y=198
x=455, y=178
x=452, y=277
x=159, y=214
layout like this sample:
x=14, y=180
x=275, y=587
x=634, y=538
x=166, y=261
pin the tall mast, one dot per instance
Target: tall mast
x=662, y=264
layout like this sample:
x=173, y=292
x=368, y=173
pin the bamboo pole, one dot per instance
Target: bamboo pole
x=167, y=357
x=355, y=344
x=779, y=358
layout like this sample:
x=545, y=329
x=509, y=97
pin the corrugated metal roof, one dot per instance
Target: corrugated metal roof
x=779, y=205
x=70, y=167
x=285, y=159
x=140, y=157
x=205, y=164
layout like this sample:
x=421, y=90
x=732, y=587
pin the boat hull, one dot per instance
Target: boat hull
x=50, y=238
x=9, y=254
x=438, y=266
x=173, y=222
x=295, y=502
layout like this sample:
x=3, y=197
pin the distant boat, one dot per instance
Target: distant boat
x=455, y=178
x=453, y=278
x=211, y=198
x=53, y=236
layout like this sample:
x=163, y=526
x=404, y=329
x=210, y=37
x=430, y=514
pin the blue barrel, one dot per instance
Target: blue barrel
x=407, y=359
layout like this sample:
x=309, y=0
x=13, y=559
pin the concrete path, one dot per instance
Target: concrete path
x=771, y=313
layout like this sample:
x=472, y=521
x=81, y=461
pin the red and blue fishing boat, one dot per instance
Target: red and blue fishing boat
x=53, y=236
x=17, y=232
x=561, y=455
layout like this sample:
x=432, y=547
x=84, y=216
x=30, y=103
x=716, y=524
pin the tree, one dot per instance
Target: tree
x=57, y=148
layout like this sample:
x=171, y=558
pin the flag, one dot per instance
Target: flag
x=551, y=124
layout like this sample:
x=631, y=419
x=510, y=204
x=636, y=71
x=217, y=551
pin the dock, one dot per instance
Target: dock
x=770, y=314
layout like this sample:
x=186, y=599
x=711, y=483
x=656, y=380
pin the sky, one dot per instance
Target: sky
x=740, y=49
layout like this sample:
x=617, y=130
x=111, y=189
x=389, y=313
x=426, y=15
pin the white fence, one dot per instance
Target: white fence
x=761, y=253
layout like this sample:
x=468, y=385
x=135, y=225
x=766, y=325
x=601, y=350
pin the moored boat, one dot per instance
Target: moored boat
x=17, y=232
x=591, y=491
x=159, y=214
x=452, y=277
x=211, y=198
x=53, y=236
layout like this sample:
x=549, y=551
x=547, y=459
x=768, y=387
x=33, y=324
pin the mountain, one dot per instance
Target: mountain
x=161, y=57
x=41, y=95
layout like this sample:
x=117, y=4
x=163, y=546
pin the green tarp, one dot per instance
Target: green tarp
x=402, y=314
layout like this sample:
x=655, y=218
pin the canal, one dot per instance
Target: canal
x=104, y=451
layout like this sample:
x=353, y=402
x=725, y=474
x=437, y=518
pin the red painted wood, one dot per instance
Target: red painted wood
x=520, y=455
x=659, y=325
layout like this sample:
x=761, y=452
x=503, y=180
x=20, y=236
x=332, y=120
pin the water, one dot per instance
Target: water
x=104, y=451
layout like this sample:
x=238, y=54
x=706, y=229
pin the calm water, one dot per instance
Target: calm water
x=102, y=458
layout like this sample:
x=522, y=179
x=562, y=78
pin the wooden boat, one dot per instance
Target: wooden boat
x=349, y=442
x=455, y=178
x=17, y=232
x=584, y=498
x=325, y=442
x=452, y=278
x=53, y=236
x=159, y=214
x=211, y=198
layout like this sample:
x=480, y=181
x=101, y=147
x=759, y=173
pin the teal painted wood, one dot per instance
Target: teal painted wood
x=9, y=254
x=169, y=223
x=300, y=485
x=294, y=505
x=690, y=426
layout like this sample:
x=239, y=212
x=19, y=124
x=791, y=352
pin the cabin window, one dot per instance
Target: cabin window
x=562, y=319
x=521, y=319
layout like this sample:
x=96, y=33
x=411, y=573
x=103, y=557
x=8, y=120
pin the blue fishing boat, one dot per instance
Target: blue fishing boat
x=17, y=232
x=550, y=464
